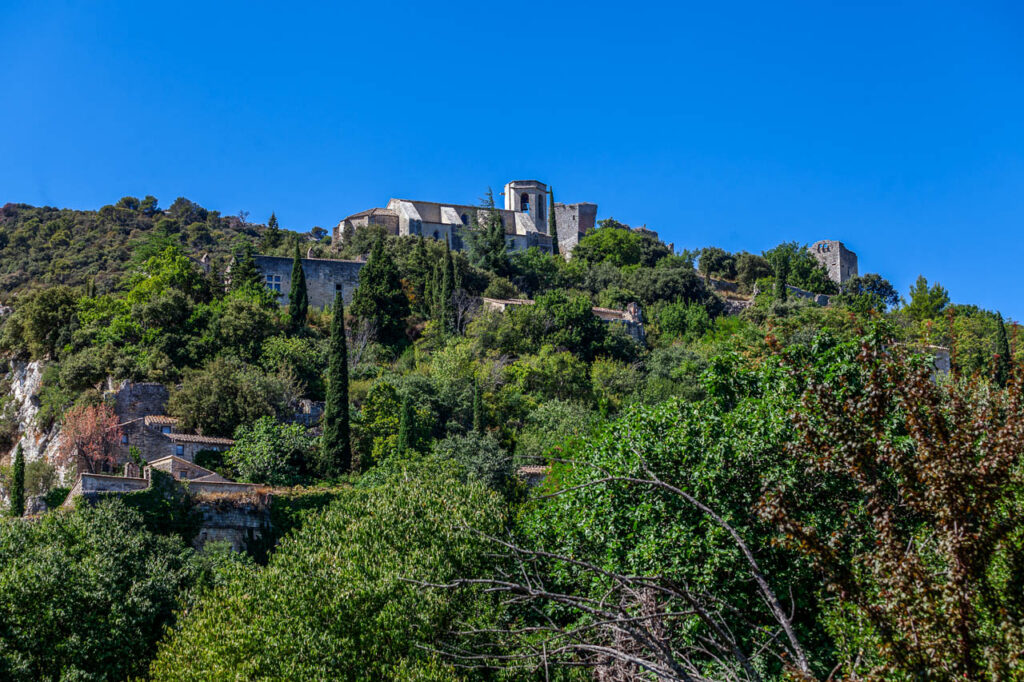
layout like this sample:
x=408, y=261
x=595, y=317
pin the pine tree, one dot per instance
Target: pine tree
x=479, y=421
x=552, y=223
x=298, y=297
x=379, y=299
x=18, y=483
x=406, y=427
x=487, y=248
x=1001, y=362
x=336, y=442
x=244, y=272
x=272, y=238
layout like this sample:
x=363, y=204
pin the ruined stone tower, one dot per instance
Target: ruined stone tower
x=840, y=262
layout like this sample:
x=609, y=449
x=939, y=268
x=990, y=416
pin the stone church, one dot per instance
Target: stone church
x=524, y=217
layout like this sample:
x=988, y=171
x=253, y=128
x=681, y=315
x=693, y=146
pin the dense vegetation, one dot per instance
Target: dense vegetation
x=787, y=491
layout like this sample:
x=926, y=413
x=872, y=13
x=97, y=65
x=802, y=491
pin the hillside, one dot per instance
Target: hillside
x=42, y=246
x=740, y=482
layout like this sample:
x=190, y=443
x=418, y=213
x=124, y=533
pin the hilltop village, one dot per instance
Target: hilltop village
x=210, y=422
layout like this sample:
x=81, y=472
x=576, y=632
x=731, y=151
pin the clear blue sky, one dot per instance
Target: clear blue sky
x=897, y=128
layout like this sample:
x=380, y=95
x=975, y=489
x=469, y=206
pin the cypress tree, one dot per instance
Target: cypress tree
x=18, y=483
x=479, y=422
x=421, y=276
x=1001, y=363
x=406, y=426
x=447, y=290
x=298, y=297
x=552, y=223
x=337, y=448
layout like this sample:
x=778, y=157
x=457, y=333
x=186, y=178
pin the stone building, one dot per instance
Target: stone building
x=324, y=278
x=140, y=409
x=840, y=262
x=524, y=218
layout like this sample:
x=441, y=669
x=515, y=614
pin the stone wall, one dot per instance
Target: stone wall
x=241, y=523
x=324, y=278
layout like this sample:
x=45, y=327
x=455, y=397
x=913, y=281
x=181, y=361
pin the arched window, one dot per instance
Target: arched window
x=524, y=203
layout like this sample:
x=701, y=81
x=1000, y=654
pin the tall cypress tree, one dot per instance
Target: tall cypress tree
x=336, y=442
x=552, y=223
x=298, y=297
x=406, y=426
x=421, y=274
x=479, y=422
x=1001, y=362
x=18, y=483
x=445, y=312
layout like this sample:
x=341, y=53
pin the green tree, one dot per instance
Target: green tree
x=336, y=439
x=271, y=453
x=781, y=260
x=1002, y=366
x=479, y=418
x=298, y=296
x=273, y=237
x=868, y=292
x=86, y=595
x=338, y=600
x=227, y=393
x=926, y=302
x=552, y=222
x=716, y=262
x=148, y=206
x=18, y=483
x=445, y=314
x=244, y=273
x=379, y=300
x=406, y=428
x=487, y=248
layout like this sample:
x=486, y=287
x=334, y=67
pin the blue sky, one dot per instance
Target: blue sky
x=897, y=128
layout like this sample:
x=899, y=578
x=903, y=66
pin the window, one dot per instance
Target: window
x=124, y=439
x=179, y=450
x=165, y=429
x=274, y=282
x=437, y=235
x=337, y=288
x=465, y=219
x=540, y=211
x=524, y=203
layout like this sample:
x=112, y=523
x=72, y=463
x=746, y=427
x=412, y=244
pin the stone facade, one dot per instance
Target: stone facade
x=324, y=278
x=140, y=410
x=840, y=262
x=524, y=218
x=572, y=222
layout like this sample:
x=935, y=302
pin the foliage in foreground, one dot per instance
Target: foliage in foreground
x=86, y=594
x=334, y=601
